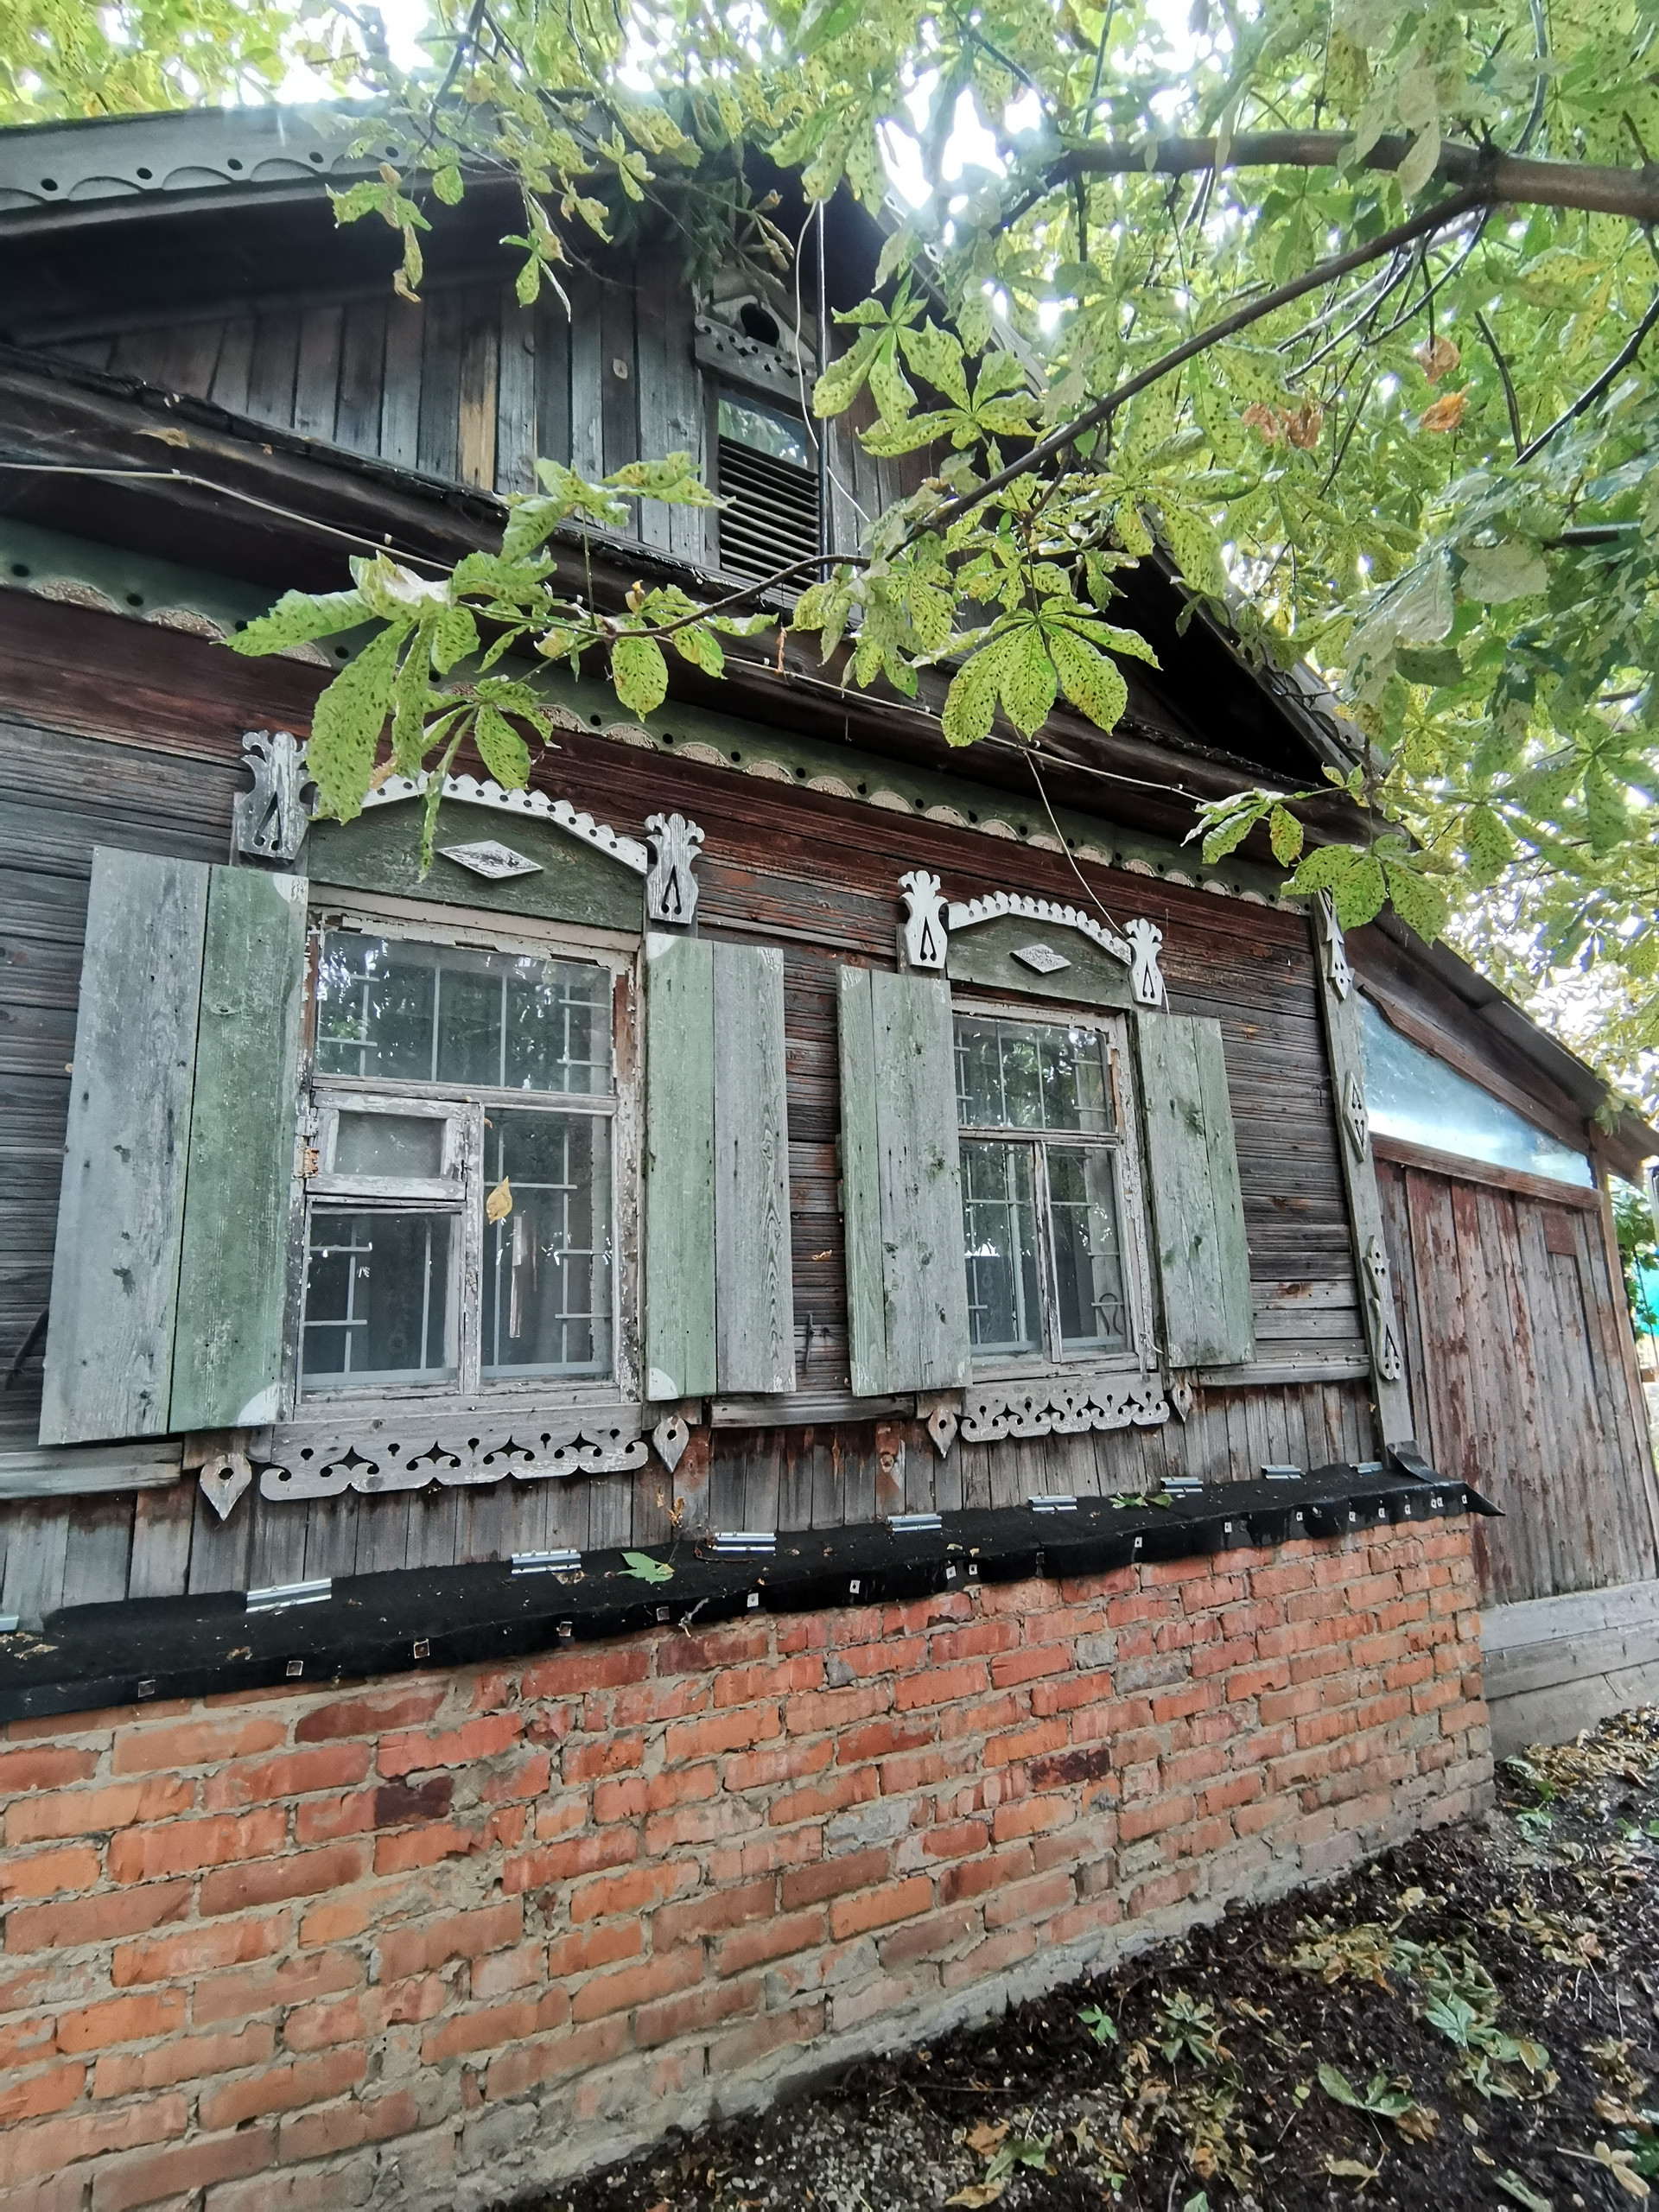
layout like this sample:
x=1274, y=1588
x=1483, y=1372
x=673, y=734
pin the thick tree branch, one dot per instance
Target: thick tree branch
x=1323, y=272
x=1498, y=178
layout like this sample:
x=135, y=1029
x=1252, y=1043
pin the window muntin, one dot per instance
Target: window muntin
x=1047, y=1187
x=503, y=1067
x=392, y=1010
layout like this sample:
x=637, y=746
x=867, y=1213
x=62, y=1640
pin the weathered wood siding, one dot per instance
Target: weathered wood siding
x=782, y=866
x=467, y=385
x=1518, y=1380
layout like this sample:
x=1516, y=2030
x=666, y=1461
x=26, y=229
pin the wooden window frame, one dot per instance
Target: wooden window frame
x=465, y=1108
x=1141, y=1356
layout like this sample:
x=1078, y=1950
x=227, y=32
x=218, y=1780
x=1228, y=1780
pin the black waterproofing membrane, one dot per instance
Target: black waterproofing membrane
x=87, y=1657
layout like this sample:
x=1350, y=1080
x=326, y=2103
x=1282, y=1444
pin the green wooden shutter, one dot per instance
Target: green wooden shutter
x=901, y=1190
x=115, y=1271
x=239, y=1196
x=718, y=1308
x=1197, y=1206
x=170, y=1276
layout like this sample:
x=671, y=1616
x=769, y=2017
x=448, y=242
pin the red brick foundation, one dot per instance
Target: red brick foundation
x=488, y=1928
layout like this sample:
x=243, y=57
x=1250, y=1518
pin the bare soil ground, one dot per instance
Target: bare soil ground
x=1469, y=2021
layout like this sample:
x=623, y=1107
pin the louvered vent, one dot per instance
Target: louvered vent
x=767, y=476
x=772, y=518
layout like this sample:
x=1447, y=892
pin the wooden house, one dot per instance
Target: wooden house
x=918, y=1163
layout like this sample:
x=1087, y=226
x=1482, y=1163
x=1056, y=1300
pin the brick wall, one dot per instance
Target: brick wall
x=489, y=1926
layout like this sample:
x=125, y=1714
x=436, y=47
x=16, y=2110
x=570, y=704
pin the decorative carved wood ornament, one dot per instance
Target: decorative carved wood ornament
x=924, y=935
x=929, y=923
x=488, y=857
x=224, y=1479
x=480, y=791
x=1344, y=1058
x=670, y=883
x=1146, y=977
x=271, y=819
x=463, y=1452
x=1356, y=1118
x=1062, y=1408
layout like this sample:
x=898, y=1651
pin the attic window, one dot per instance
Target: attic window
x=768, y=473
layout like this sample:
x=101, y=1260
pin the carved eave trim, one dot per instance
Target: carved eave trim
x=1061, y=1406
x=965, y=913
x=534, y=806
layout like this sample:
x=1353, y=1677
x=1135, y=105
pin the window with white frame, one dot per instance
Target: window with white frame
x=1050, y=1190
x=461, y=1215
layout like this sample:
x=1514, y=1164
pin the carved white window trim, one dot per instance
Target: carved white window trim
x=963, y=914
x=530, y=805
x=1064, y=1405
x=391, y=1446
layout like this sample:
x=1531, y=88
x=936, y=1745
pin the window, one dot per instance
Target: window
x=1048, y=1191
x=768, y=473
x=1410, y=1093
x=461, y=1215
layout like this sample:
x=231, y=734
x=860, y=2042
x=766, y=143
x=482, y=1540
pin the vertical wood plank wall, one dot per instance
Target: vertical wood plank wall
x=1511, y=1317
x=467, y=385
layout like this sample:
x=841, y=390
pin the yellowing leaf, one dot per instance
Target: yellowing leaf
x=985, y=2139
x=1284, y=835
x=1444, y=413
x=978, y=2194
x=1438, y=357
x=639, y=672
x=498, y=1204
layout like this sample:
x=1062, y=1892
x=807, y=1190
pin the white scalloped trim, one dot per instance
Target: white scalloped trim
x=963, y=914
x=474, y=790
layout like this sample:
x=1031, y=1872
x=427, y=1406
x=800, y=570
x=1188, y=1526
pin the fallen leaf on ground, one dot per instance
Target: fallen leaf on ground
x=1522, y=2193
x=978, y=2194
x=984, y=2138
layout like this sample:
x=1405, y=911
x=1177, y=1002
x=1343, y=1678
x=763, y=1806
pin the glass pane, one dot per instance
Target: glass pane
x=548, y=1263
x=1088, y=1249
x=389, y=1144
x=410, y=1012
x=999, y=1221
x=1411, y=1093
x=766, y=429
x=1030, y=1075
x=377, y=1299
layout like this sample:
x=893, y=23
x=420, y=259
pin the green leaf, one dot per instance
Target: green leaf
x=1025, y=679
x=639, y=672
x=1359, y=894
x=1497, y=574
x=447, y=183
x=1435, y=665
x=455, y=635
x=1094, y=685
x=347, y=725
x=842, y=382
x=1197, y=549
x=502, y=751
x=1605, y=811
x=673, y=479
x=643, y=1569
x=1489, y=845
x=1335, y=2083
x=1520, y=2192
x=1325, y=867
x=298, y=617
x=1284, y=835
x=971, y=704
x=935, y=355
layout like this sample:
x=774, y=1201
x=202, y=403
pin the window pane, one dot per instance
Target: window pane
x=998, y=1219
x=377, y=1299
x=389, y=1144
x=1088, y=1249
x=410, y=1012
x=548, y=1264
x=1030, y=1075
x=1412, y=1093
x=767, y=429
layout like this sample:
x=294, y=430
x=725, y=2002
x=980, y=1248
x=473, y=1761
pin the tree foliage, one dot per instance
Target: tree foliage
x=1341, y=303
